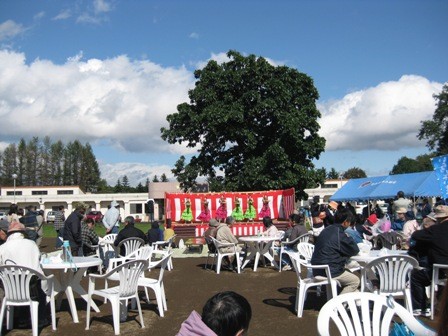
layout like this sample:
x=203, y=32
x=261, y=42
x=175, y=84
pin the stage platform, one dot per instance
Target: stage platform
x=194, y=230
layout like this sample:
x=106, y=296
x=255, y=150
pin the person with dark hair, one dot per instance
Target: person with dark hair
x=72, y=229
x=298, y=229
x=129, y=231
x=168, y=232
x=224, y=314
x=401, y=202
x=13, y=213
x=333, y=248
x=59, y=219
x=89, y=237
x=30, y=222
x=154, y=233
x=270, y=229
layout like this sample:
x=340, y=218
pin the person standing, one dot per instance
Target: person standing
x=334, y=248
x=401, y=202
x=72, y=229
x=433, y=243
x=111, y=219
x=59, y=219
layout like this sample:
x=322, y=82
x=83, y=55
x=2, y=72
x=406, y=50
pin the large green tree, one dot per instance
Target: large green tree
x=407, y=165
x=435, y=131
x=254, y=124
x=353, y=173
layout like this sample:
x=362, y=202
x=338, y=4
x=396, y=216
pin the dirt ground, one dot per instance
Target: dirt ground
x=188, y=286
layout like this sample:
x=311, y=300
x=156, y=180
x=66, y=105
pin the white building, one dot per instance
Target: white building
x=49, y=198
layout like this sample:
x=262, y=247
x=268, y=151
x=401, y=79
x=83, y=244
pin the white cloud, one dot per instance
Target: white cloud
x=135, y=172
x=39, y=15
x=123, y=101
x=101, y=6
x=63, y=15
x=10, y=29
x=194, y=36
x=385, y=117
x=222, y=58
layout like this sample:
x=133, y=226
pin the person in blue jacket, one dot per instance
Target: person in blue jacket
x=333, y=248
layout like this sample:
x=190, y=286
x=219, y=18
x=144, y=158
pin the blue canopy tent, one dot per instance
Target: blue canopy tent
x=414, y=185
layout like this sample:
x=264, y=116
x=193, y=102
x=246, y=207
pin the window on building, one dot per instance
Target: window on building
x=39, y=192
x=11, y=193
x=65, y=192
x=136, y=208
x=330, y=185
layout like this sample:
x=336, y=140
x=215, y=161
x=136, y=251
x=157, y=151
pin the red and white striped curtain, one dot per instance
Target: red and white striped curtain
x=281, y=202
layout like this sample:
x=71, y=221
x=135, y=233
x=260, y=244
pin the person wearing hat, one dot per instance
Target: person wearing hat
x=111, y=219
x=24, y=252
x=429, y=220
x=433, y=243
x=72, y=229
x=400, y=219
x=401, y=202
x=211, y=230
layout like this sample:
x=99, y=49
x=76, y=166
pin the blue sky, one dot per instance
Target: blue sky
x=109, y=72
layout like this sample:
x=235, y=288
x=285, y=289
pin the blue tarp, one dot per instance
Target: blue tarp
x=423, y=184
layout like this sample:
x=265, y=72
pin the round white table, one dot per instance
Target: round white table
x=68, y=279
x=258, y=246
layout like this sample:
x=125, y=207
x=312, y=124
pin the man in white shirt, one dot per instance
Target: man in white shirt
x=111, y=219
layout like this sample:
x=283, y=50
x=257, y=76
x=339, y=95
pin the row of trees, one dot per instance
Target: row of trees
x=43, y=162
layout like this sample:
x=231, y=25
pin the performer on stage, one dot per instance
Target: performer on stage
x=251, y=212
x=187, y=215
x=237, y=213
x=265, y=209
x=221, y=212
x=205, y=215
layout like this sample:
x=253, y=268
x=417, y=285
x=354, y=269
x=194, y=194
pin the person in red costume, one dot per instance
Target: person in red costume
x=205, y=214
x=221, y=212
x=265, y=209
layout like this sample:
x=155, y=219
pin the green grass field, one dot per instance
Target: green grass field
x=49, y=231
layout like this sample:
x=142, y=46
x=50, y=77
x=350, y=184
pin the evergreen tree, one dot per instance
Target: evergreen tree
x=155, y=179
x=118, y=187
x=163, y=178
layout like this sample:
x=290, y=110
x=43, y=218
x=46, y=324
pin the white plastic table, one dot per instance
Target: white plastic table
x=258, y=246
x=364, y=258
x=67, y=279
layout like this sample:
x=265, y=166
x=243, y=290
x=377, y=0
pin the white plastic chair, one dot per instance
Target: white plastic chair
x=221, y=255
x=165, y=247
x=285, y=244
x=129, y=274
x=372, y=317
x=157, y=284
x=211, y=253
x=129, y=245
x=436, y=282
x=16, y=282
x=303, y=284
x=393, y=273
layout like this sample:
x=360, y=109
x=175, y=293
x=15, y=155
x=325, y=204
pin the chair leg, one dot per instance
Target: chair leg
x=162, y=288
x=2, y=315
x=158, y=293
x=53, y=313
x=301, y=300
x=218, y=264
x=115, y=303
x=9, y=317
x=142, y=323
x=34, y=320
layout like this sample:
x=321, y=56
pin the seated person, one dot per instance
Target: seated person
x=168, y=232
x=89, y=236
x=224, y=314
x=270, y=229
x=129, y=231
x=298, y=229
x=154, y=233
x=410, y=226
x=400, y=219
x=225, y=235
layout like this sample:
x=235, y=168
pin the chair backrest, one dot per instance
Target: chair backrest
x=305, y=238
x=306, y=250
x=211, y=246
x=392, y=272
x=163, y=265
x=298, y=262
x=129, y=245
x=218, y=244
x=16, y=282
x=129, y=274
x=109, y=238
x=373, y=317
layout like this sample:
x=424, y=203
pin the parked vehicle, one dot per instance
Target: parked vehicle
x=50, y=217
x=97, y=216
x=2, y=215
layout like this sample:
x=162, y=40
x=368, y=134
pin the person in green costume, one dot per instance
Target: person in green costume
x=187, y=214
x=251, y=212
x=237, y=213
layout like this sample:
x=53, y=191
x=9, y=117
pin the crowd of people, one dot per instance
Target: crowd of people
x=337, y=230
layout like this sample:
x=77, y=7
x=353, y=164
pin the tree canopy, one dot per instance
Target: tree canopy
x=435, y=131
x=407, y=165
x=255, y=126
x=353, y=173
